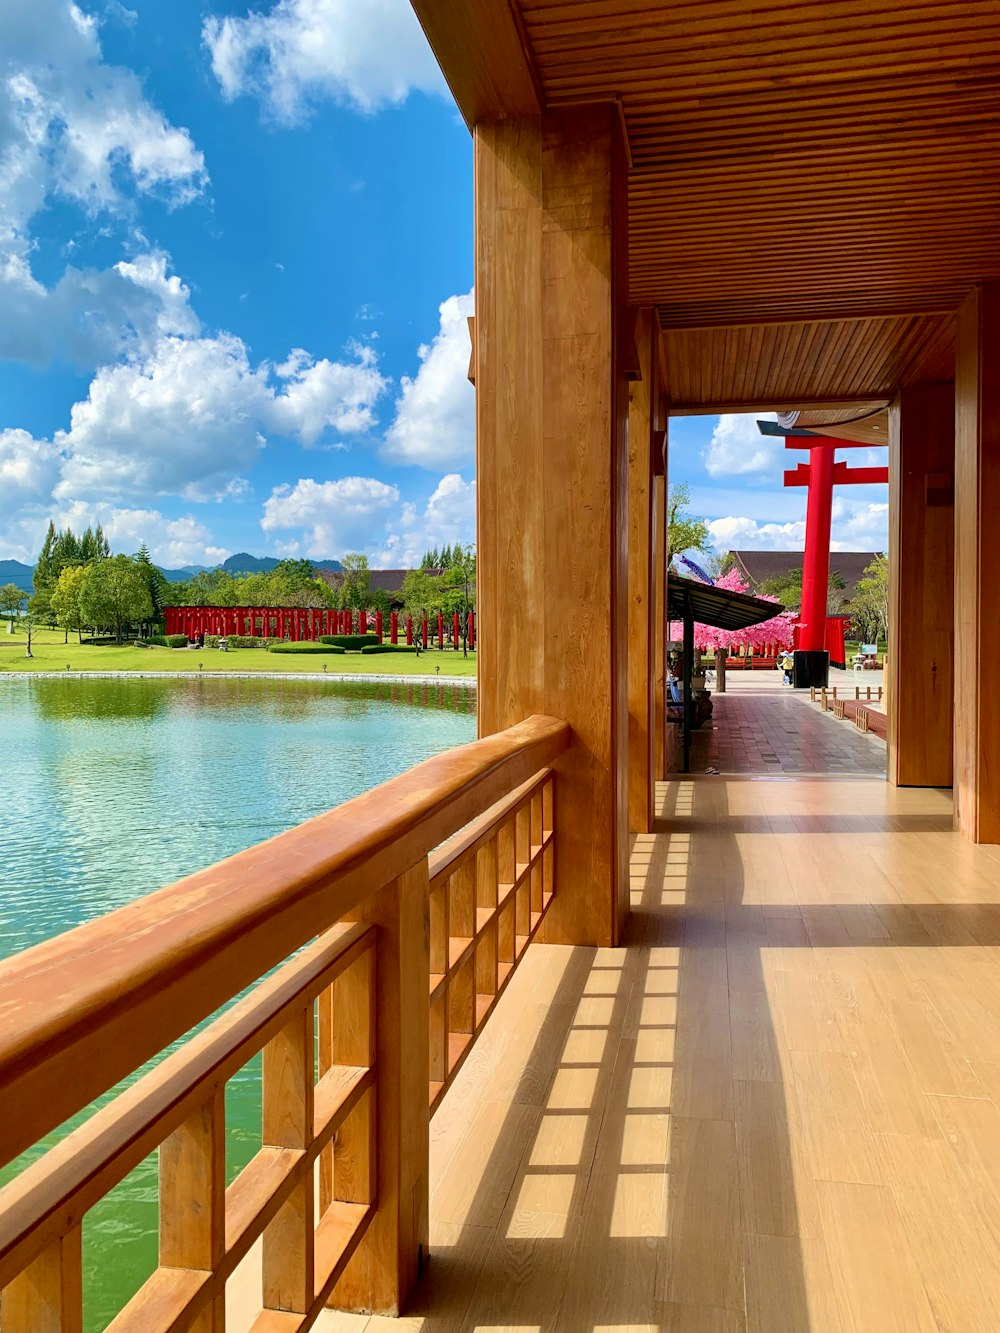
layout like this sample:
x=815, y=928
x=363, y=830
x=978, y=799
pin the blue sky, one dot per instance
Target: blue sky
x=235, y=272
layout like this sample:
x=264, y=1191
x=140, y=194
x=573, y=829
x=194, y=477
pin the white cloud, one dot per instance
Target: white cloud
x=858, y=525
x=183, y=421
x=172, y=542
x=73, y=127
x=330, y=517
x=748, y=534
x=435, y=425
x=364, y=55
x=190, y=418
x=737, y=447
x=321, y=394
x=448, y=517
x=29, y=469
x=92, y=316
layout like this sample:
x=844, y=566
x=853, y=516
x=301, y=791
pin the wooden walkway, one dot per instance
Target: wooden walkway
x=776, y=1111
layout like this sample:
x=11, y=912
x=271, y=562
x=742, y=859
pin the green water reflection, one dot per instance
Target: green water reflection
x=116, y=787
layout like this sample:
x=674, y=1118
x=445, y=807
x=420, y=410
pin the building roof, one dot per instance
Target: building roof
x=758, y=566
x=721, y=607
x=741, y=121
x=389, y=581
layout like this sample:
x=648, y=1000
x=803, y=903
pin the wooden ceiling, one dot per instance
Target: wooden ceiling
x=820, y=162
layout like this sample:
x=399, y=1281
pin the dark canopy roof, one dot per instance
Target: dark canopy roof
x=717, y=606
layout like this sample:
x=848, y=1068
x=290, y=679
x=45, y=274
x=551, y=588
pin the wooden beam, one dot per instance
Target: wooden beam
x=977, y=516
x=714, y=407
x=921, y=585
x=484, y=56
x=551, y=424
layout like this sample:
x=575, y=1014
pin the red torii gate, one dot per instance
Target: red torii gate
x=819, y=475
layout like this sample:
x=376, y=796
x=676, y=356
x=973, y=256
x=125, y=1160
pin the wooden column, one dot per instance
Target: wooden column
x=659, y=624
x=551, y=425
x=922, y=585
x=977, y=519
x=641, y=580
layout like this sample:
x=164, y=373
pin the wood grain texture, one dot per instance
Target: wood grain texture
x=641, y=581
x=922, y=585
x=83, y=1010
x=977, y=506
x=389, y=1259
x=783, y=259
x=550, y=423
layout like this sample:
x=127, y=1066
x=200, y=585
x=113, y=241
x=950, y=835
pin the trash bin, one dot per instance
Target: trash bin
x=812, y=668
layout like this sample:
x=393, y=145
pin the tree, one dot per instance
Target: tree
x=11, y=598
x=156, y=582
x=115, y=595
x=684, y=531
x=66, y=599
x=776, y=630
x=355, y=581
x=870, y=605
x=787, y=588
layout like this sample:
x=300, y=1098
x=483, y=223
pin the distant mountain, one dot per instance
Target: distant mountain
x=181, y=575
x=242, y=563
x=12, y=571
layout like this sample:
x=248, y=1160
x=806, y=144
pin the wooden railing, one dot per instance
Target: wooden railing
x=403, y=959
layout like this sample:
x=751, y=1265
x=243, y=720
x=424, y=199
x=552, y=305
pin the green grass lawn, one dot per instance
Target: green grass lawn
x=50, y=653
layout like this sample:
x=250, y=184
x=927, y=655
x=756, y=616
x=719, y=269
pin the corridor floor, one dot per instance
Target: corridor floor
x=776, y=1110
x=780, y=731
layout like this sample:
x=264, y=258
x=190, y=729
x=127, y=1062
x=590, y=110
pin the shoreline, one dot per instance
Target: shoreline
x=366, y=678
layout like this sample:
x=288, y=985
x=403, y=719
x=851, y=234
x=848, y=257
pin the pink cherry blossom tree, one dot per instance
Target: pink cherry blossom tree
x=777, y=630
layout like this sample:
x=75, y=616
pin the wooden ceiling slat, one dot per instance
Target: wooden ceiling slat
x=815, y=184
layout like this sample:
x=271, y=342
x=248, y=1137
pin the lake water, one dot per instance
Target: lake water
x=115, y=787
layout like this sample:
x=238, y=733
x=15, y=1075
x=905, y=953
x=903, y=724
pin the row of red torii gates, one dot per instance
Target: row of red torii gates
x=300, y=623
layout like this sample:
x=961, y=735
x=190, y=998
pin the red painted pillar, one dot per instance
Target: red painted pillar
x=816, y=561
x=378, y=625
x=409, y=631
x=472, y=629
x=362, y=622
x=423, y=633
x=455, y=631
x=440, y=630
x=393, y=627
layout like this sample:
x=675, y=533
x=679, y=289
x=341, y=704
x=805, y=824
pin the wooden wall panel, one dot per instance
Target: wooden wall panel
x=922, y=587
x=641, y=582
x=977, y=518
x=551, y=476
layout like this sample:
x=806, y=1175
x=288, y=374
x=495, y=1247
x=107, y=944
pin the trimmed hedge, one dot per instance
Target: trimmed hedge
x=169, y=640
x=352, y=641
x=386, y=648
x=304, y=647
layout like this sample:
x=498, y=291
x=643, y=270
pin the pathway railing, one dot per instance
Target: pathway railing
x=398, y=959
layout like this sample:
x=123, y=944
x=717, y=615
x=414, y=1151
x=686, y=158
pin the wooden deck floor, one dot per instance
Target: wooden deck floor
x=777, y=1110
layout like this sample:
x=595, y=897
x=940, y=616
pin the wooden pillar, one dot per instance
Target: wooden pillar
x=551, y=426
x=659, y=625
x=641, y=579
x=921, y=585
x=977, y=518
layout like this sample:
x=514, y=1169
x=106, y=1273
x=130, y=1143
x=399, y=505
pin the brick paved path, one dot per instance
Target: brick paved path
x=782, y=732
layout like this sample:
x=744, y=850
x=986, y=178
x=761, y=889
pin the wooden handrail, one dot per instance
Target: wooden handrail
x=54, y=1192
x=80, y=1012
